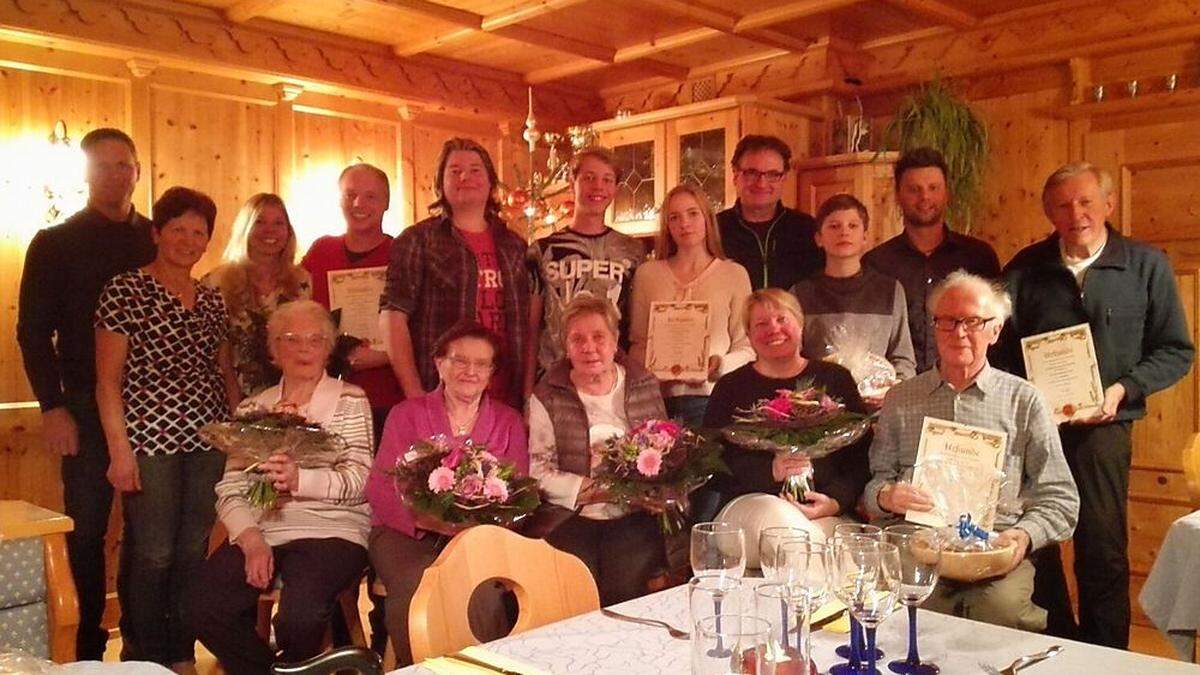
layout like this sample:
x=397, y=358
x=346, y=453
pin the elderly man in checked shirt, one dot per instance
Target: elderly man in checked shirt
x=968, y=313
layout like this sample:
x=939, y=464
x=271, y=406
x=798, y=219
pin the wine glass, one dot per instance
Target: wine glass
x=718, y=549
x=803, y=565
x=785, y=607
x=709, y=593
x=768, y=547
x=920, y=554
x=866, y=577
x=854, y=649
x=728, y=644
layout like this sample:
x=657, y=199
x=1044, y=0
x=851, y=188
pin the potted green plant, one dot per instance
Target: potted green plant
x=934, y=116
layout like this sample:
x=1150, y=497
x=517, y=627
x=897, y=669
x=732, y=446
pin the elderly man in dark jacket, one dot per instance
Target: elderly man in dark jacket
x=1087, y=272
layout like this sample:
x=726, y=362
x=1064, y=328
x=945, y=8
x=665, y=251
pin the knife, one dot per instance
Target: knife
x=459, y=656
x=818, y=625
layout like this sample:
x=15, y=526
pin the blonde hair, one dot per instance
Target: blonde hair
x=1070, y=170
x=664, y=244
x=773, y=297
x=585, y=305
x=232, y=278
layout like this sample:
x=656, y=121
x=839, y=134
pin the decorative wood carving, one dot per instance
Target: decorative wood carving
x=205, y=40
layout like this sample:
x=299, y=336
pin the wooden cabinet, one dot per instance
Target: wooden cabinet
x=693, y=143
x=866, y=175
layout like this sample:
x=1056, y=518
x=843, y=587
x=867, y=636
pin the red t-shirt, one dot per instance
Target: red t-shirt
x=489, y=301
x=327, y=254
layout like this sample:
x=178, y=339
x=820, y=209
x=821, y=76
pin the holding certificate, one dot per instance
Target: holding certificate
x=355, y=294
x=684, y=323
x=1062, y=365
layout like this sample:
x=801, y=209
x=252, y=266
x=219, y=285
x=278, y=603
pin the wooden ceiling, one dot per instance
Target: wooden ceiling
x=599, y=45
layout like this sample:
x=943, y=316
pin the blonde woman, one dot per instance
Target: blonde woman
x=691, y=266
x=257, y=274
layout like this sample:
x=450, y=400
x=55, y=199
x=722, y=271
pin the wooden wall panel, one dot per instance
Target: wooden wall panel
x=221, y=146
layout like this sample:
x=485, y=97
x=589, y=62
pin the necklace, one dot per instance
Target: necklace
x=462, y=427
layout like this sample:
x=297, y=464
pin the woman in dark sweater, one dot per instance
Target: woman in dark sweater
x=774, y=324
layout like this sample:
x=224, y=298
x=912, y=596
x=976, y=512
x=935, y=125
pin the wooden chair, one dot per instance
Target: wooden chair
x=550, y=585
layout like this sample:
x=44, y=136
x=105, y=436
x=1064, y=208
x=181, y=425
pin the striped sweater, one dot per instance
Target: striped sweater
x=330, y=501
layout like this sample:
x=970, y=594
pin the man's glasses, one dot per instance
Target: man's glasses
x=752, y=175
x=972, y=324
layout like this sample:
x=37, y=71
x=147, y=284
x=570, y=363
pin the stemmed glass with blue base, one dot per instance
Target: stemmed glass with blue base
x=853, y=652
x=920, y=554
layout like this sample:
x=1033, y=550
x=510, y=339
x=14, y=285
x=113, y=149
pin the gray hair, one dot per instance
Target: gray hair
x=301, y=309
x=990, y=293
x=1070, y=170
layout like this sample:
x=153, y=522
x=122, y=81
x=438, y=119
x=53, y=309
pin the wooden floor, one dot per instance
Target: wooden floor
x=1141, y=639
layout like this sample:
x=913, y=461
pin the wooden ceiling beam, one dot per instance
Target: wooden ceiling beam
x=525, y=12
x=788, y=12
x=507, y=23
x=726, y=23
x=637, y=52
x=241, y=12
x=459, y=17
x=937, y=10
x=559, y=43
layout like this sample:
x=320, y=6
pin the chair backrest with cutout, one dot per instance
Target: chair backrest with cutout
x=549, y=585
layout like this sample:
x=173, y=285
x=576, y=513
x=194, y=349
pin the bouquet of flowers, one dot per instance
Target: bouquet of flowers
x=804, y=420
x=458, y=486
x=655, y=467
x=256, y=433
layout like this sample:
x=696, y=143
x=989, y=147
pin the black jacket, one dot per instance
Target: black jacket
x=790, y=251
x=1130, y=301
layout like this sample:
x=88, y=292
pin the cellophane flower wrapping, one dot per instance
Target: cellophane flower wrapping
x=966, y=500
x=655, y=467
x=256, y=433
x=461, y=484
x=872, y=372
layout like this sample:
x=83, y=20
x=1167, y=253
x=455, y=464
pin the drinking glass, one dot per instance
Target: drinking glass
x=920, y=553
x=768, y=547
x=866, y=577
x=718, y=549
x=853, y=651
x=785, y=607
x=712, y=594
x=728, y=644
x=803, y=565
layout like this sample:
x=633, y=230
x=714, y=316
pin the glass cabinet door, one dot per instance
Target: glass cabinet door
x=636, y=199
x=702, y=163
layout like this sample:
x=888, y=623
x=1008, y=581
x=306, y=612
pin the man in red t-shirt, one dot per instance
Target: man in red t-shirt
x=365, y=198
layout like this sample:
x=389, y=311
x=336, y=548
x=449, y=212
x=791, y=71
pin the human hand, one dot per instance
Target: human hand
x=282, y=471
x=903, y=497
x=789, y=464
x=260, y=560
x=60, y=431
x=123, y=470
x=1020, y=541
x=816, y=505
x=1113, y=396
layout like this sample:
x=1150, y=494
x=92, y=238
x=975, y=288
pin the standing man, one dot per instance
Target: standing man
x=927, y=251
x=587, y=258
x=1087, y=272
x=66, y=266
x=774, y=243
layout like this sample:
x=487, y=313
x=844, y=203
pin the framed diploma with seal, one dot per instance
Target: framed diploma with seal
x=1062, y=364
x=677, y=340
x=962, y=468
x=356, y=293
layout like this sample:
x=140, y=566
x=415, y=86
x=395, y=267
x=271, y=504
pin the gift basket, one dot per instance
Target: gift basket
x=873, y=373
x=970, y=551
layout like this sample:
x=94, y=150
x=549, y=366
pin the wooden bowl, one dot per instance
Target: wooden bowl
x=967, y=566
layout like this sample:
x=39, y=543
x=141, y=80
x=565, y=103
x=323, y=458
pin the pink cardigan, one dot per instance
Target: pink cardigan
x=499, y=427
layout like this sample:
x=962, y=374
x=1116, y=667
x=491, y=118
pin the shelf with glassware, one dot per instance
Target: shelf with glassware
x=693, y=143
x=866, y=175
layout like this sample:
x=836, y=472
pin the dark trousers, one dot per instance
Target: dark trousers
x=1099, y=457
x=622, y=554
x=223, y=607
x=687, y=409
x=87, y=499
x=166, y=538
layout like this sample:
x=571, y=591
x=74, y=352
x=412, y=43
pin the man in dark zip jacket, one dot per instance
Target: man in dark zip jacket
x=1087, y=272
x=774, y=243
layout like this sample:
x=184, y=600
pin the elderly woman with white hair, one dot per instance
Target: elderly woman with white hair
x=968, y=312
x=315, y=538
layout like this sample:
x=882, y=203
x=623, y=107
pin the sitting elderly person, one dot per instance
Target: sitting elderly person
x=582, y=401
x=968, y=312
x=459, y=408
x=314, y=538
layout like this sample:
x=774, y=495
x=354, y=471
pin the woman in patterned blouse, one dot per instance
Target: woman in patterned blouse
x=258, y=272
x=162, y=371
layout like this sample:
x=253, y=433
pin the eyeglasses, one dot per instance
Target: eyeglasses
x=297, y=339
x=972, y=324
x=752, y=175
x=463, y=364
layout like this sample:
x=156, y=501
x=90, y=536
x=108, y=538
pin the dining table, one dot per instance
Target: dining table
x=1176, y=567
x=594, y=644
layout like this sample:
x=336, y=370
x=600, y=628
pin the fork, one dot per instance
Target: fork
x=1024, y=661
x=671, y=630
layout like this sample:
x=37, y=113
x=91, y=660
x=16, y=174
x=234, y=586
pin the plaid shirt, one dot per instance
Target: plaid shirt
x=432, y=278
x=1049, y=501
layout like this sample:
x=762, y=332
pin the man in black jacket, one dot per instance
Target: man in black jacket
x=1087, y=272
x=774, y=243
x=66, y=266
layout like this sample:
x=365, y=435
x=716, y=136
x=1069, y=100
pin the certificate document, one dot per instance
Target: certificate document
x=677, y=340
x=1062, y=365
x=961, y=467
x=356, y=292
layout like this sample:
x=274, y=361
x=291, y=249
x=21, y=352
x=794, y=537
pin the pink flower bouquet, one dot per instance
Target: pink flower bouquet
x=456, y=486
x=655, y=467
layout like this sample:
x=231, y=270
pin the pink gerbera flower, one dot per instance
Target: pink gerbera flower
x=649, y=462
x=441, y=479
x=495, y=489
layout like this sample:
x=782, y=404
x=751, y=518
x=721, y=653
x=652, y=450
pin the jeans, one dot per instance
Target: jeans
x=166, y=538
x=87, y=499
x=687, y=409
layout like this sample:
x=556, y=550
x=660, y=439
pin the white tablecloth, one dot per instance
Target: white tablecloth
x=1171, y=596
x=591, y=644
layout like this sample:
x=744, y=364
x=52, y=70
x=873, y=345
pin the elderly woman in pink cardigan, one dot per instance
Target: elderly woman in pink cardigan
x=460, y=408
